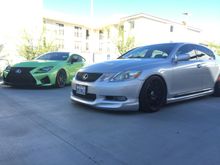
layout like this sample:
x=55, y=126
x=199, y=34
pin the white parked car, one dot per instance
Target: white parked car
x=147, y=77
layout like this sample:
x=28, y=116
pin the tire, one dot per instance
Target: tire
x=217, y=89
x=61, y=79
x=152, y=95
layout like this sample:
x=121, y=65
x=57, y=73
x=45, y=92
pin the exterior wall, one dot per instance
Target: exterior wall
x=148, y=31
x=96, y=43
x=101, y=43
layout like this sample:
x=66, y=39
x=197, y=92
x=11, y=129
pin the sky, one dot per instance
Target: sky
x=204, y=14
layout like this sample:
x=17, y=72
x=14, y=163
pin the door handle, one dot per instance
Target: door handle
x=199, y=65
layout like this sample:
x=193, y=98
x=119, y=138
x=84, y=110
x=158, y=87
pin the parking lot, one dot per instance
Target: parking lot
x=43, y=127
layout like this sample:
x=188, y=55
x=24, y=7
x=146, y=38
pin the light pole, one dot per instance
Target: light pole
x=92, y=40
x=185, y=18
x=91, y=10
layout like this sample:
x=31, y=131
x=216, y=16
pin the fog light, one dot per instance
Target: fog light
x=116, y=98
x=45, y=80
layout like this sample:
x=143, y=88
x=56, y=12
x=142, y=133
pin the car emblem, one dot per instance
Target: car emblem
x=18, y=71
x=85, y=76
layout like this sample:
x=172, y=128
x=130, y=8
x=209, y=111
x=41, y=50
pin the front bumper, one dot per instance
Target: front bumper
x=30, y=79
x=104, y=90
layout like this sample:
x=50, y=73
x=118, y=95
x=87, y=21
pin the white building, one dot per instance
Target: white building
x=77, y=35
x=97, y=42
x=148, y=29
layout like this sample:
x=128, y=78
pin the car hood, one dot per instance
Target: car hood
x=37, y=63
x=123, y=65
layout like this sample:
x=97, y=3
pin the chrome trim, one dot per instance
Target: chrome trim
x=181, y=98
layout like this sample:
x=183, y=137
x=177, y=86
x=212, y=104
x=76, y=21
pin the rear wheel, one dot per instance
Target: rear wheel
x=61, y=79
x=152, y=95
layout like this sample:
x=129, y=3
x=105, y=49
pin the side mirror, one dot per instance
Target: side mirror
x=182, y=57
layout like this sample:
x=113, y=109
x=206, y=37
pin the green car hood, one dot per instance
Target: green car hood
x=38, y=63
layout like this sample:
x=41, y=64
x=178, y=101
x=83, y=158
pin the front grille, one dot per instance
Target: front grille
x=91, y=77
x=20, y=76
x=88, y=96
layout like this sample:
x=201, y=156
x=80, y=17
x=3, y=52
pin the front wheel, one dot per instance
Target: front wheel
x=217, y=88
x=61, y=79
x=152, y=95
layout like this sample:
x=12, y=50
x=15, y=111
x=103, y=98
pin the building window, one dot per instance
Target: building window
x=171, y=28
x=87, y=34
x=131, y=24
x=101, y=35
x=60, y=29
x=77, y=45
x=100, y=47
x=108, y=34
x=87, y=46
x=108, y=49
x=77, y=31
x=60, y=43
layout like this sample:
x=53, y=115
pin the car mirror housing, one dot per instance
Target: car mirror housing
x=182, y=57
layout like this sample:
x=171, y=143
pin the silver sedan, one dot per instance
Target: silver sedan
x=147, y=77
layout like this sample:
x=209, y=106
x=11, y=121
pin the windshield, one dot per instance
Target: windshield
x=151, y=51
x=56, y=56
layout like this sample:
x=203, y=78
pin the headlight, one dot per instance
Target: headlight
x=126, y=75
x=8, y=68
x=44, y=69
x=106, y=76
x=121, y=76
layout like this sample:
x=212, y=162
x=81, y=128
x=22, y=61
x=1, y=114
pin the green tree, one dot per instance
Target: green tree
x=124, y=44
x=32, y=48
x=215, y=47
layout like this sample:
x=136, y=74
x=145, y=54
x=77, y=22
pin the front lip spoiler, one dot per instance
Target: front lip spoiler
x=107, y=105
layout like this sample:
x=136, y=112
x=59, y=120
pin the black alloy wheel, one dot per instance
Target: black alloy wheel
x=152, y=95
x=217, y=88
x=61, y=79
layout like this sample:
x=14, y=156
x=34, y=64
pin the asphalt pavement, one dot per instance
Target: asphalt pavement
x=43, y=127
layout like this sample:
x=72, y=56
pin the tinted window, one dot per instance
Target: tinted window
x=203, y=53
x=76, y=58
x=57, y=56
x=151, y=51
x=188, y=49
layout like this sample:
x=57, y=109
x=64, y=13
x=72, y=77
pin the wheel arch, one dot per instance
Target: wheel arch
x=64, y=70
x=58, y=70
x=159, y=76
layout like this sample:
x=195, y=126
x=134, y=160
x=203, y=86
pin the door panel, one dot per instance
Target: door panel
x=187, y=78
x=76, y=62
x=209, y=66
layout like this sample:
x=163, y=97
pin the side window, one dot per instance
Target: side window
x=75, y=58
x=159, y=54
x=188, y=49
x=204, y=53
x=135, y=53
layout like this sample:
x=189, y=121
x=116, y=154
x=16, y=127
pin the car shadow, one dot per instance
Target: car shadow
x=30, y=87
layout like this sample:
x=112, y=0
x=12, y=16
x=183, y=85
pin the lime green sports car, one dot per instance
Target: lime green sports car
x=53, y=68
